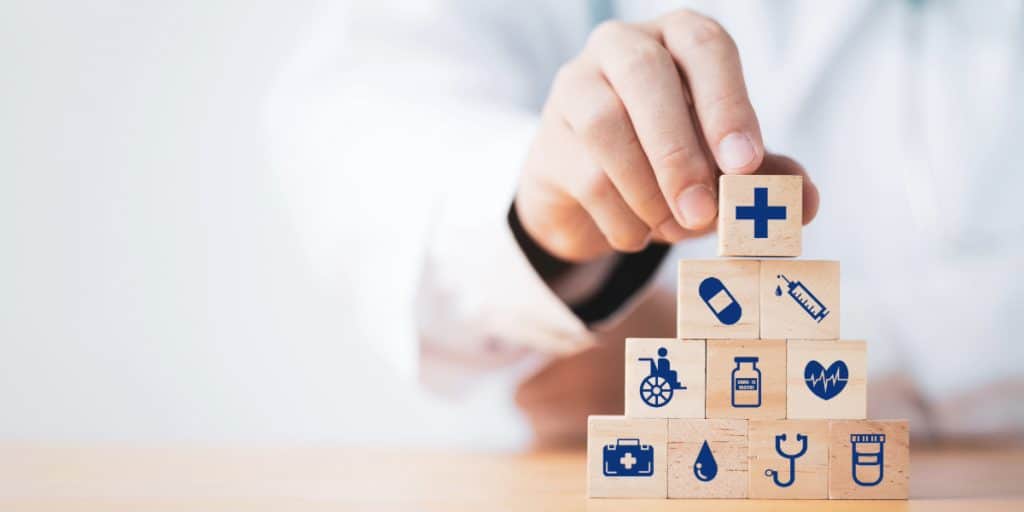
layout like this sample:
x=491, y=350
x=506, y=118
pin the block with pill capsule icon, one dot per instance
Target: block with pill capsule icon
x=760, y=215
x=718, y=299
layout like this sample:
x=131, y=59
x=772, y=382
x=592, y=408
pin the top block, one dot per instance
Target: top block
x=760, y=215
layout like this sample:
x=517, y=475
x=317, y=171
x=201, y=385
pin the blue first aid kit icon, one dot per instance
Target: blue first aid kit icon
x=628, y=457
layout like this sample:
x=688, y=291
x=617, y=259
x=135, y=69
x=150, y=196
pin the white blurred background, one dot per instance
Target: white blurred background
x=153, y=283
x=201, y=236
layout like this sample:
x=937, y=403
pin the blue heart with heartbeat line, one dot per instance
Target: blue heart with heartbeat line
x=826, y=383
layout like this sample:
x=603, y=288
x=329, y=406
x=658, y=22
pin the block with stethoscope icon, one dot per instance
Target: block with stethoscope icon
x=869, y=459
x=789, y=459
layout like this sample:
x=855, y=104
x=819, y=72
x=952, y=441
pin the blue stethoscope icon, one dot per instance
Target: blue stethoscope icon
x=779, y=439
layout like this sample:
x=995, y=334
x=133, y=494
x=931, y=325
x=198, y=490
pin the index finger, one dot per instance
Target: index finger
x=710, y=63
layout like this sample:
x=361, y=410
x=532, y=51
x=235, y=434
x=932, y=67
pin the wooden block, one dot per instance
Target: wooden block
x=650, y=392
x=718, y=299
x=826, y=379
x=746, y=379
x=717, y=471
x=626, y=457
x=760, y=215
x=882, y=452
x=800, y=299
x=770, y=471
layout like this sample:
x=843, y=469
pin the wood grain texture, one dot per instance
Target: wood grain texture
x=736, y=236
x=895, y=473
x=849, y=403
x=695, y=317
x=727, y=441
x=321, y=477
x=771, y=362
x=811, y=478
x=782, y=317
x=687, y=359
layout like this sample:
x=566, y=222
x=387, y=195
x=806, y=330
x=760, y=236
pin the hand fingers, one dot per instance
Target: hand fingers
x=589, y=186
x=709, y=60
x=644, y=75
x=595, y=113
x=779, y=164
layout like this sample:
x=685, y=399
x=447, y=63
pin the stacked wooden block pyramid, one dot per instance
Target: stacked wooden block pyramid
x=757, y=396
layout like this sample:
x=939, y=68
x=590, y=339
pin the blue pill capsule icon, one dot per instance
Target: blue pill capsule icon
x=720, y=301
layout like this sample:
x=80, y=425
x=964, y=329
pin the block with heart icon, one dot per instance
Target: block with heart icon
x=826, y=379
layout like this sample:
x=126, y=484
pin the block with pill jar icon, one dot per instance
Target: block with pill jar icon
x=869, y=459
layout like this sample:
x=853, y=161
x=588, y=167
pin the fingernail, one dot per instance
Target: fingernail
x=671, y=231
x=697, y=206
x=735, y=151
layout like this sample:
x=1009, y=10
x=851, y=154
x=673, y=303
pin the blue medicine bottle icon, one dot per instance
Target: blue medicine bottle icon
x=746, y=383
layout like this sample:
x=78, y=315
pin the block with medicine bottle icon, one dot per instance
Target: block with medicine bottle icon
x=718, y=299
x=627, y=457
x=869, y=459
x=664, y=378
x=746, y=379
x=826, y=379
x=760, y=215
x=800, y=299
x=788, y=459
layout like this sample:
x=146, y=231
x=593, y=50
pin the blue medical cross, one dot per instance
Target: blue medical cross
x=760, y=213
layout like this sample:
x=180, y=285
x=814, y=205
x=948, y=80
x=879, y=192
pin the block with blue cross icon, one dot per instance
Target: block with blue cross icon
x=760, y=215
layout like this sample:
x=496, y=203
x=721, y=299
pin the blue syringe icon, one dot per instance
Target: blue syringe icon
x=811, y=304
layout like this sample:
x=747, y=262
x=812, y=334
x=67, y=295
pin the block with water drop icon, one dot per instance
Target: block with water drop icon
x=707, y=458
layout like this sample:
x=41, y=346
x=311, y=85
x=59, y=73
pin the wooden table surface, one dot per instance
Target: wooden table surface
x=112, y=477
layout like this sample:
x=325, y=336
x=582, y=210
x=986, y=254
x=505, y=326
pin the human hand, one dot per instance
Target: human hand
x=634, y=133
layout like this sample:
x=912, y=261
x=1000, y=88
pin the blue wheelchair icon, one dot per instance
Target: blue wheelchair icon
x=657, y=388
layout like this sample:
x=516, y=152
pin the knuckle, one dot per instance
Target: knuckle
x=697, y=30
x=627, y=240
x=643, y=56
x=606, y=30
x=684, y=157
x=594, y=188
x=567, y=75
x=605, y=120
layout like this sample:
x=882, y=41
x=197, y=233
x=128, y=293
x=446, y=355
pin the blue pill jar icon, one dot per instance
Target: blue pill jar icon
x=720, y=301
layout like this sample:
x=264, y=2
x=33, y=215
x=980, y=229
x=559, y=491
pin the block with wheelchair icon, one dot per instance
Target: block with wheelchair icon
x=664, y=378
x=826, y=379
x=869, y=459
x=718, y=299
x=788, y=459
x=626, y=457
x=760, y=215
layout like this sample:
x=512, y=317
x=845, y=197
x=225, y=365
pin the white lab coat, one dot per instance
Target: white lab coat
x=906, y=114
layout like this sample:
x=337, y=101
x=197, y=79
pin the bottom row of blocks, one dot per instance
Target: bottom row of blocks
x=732, y=458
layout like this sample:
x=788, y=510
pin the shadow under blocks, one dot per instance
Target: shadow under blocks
x=757, y=396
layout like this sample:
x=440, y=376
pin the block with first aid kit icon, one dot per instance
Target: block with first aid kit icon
x=626, y=457
x=718, y=299
x=869, y=459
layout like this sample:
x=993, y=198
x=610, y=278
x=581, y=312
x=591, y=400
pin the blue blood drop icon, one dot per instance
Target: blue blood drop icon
x=705, y=468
